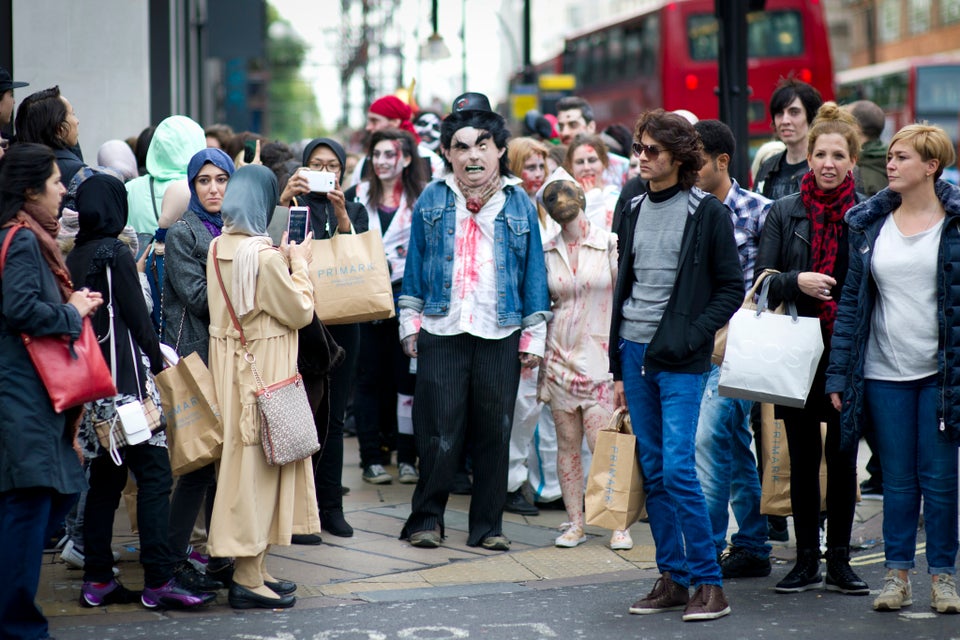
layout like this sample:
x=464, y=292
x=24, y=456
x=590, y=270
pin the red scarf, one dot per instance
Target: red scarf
x=825, y=210
x=46, y=227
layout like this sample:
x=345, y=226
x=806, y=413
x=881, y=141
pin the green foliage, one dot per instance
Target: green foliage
x=293, y=112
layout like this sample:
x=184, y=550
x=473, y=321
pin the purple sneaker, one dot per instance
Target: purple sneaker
x=173, y=596
x=95, y=594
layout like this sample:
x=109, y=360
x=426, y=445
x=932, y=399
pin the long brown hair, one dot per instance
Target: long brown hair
x=414, y=176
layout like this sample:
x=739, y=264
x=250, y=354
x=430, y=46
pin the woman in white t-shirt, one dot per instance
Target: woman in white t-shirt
x=894, y=344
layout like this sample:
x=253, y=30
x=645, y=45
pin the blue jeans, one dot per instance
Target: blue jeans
x=917, y=466
x=26, y=518
x=728, y=471
x=664, y=408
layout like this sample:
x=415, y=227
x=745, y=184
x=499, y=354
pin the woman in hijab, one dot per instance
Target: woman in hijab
x=186, y=318
x=117, y=155
x=40, y=473
x=103, y=263
x=256, y=505
x=329, y=213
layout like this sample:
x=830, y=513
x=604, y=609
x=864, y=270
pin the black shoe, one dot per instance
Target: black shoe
x=193, y=580
x=516, y=503
x=870, y=488
x=306, y=539
x=221, y=570
x=777, y=529
x=344, y=490
x=333, y=522
x=804, y=575
x=281, y=587
x=840, y=577
x=737, y=562
x=242, y=598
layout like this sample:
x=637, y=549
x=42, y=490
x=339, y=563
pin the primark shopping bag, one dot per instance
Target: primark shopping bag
x=614, y=497
x=351, y=282
x=194, y=426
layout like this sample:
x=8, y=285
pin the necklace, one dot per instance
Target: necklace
x=931, y=218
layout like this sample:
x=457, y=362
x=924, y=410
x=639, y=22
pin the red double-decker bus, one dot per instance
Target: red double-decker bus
x=667, y=57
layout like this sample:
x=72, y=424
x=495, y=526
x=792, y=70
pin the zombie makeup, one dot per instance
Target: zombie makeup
x=388, y=160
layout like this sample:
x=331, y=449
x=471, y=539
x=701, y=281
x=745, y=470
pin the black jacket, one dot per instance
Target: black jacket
x=785, y=246
x=772, y=181
x=36, y=442
x=707, y=291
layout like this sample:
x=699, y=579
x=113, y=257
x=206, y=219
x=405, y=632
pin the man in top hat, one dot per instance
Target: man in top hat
x=7, y=85
x=392, y=112
x=473, y=311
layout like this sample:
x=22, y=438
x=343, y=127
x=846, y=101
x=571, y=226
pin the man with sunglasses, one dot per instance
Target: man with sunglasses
x=679, y=281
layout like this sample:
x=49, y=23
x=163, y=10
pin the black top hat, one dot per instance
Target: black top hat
x=6, y=81
x=471, y=102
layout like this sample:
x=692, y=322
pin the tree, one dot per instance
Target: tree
x=293, y=111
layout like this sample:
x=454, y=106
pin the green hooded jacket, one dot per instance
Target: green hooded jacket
x=870, y=174
x=174, y=142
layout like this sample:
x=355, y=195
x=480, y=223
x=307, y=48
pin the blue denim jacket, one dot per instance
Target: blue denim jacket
x=522, y=299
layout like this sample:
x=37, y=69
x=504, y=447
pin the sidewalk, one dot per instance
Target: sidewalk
x=375, y=566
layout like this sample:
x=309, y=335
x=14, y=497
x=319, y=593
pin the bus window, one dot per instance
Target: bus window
x=632, y=46
x=599, y=66
x=615, y=57
x=650, y=53
x=770, y=34
x=938, y=89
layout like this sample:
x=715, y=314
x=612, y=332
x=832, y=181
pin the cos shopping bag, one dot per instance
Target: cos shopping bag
x=194, y=427
x=351, y=282
x=720, y=340
x=770, y=357
x=614, y=497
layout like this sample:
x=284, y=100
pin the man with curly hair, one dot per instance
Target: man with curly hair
x=679, y=280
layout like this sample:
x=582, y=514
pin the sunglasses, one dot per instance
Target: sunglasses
x=652, y=150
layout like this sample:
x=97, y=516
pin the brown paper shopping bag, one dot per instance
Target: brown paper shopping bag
x=194, y=427
x=775, y=484
x=614, y=497
x=351, y=281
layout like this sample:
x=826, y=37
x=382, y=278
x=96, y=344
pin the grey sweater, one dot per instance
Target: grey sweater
x=656, y=241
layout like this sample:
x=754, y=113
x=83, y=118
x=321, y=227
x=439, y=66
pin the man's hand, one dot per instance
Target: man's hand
x=530, y=361
x=619, y=397
x=410, y=345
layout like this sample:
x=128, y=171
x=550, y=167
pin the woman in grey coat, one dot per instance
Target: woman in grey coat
x=185, y=322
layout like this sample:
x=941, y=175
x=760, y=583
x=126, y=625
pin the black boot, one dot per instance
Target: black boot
x=332, y=521
x=840, y=577
x=804, y=575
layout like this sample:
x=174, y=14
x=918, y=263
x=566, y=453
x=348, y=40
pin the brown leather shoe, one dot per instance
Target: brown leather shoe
x=667, y=595
x=707, y=603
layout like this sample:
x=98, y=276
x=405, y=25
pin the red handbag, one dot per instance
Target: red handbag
x=72, y=371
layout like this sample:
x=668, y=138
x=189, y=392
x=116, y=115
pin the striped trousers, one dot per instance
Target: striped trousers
x=465, y=385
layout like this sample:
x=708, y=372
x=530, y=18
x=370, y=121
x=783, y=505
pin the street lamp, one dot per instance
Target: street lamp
x=434, y=48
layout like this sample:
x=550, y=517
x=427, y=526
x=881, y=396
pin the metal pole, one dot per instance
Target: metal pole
x=733, y=91
x=463, y=42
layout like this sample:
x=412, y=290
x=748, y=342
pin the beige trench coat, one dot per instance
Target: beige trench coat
x=257, y=505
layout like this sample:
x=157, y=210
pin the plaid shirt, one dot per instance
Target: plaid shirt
x=748, y=212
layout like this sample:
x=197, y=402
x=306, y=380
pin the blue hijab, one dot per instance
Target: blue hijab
x=251, y=196
x=220, y=160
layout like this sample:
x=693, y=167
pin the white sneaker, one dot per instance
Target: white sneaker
x=407, y=473
x=571, y=537
x=894, y=594
x=943, y=595
x=620, y=540
x=74, y=558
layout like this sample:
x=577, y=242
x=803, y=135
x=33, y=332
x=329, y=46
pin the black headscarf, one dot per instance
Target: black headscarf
x=322, y=218
x=101, y=207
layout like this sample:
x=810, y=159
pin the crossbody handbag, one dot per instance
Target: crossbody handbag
x=72, y=371
x=287, y=430
x=131, y=422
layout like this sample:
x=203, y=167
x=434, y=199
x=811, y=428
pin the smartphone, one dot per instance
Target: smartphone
x=298, y=224
x=320, y=181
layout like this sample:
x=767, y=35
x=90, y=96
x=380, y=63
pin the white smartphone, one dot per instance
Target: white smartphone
x=320, y=181
x=298, y=224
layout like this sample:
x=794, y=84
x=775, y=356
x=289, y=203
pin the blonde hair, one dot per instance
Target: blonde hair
x=519, y=151
x=832, y=119
x=930, y=141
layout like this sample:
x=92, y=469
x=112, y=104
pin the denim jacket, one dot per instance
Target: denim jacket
x=522, y=300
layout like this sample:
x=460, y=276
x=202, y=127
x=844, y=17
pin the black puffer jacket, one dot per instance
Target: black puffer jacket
x=852, y=329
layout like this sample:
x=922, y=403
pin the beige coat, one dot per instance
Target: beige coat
x=257, y=505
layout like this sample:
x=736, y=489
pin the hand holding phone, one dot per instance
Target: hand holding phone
x=298, y=224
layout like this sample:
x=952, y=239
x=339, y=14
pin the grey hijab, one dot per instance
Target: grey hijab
x=250, y=198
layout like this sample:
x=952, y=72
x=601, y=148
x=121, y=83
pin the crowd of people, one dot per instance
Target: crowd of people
x=540, y=282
